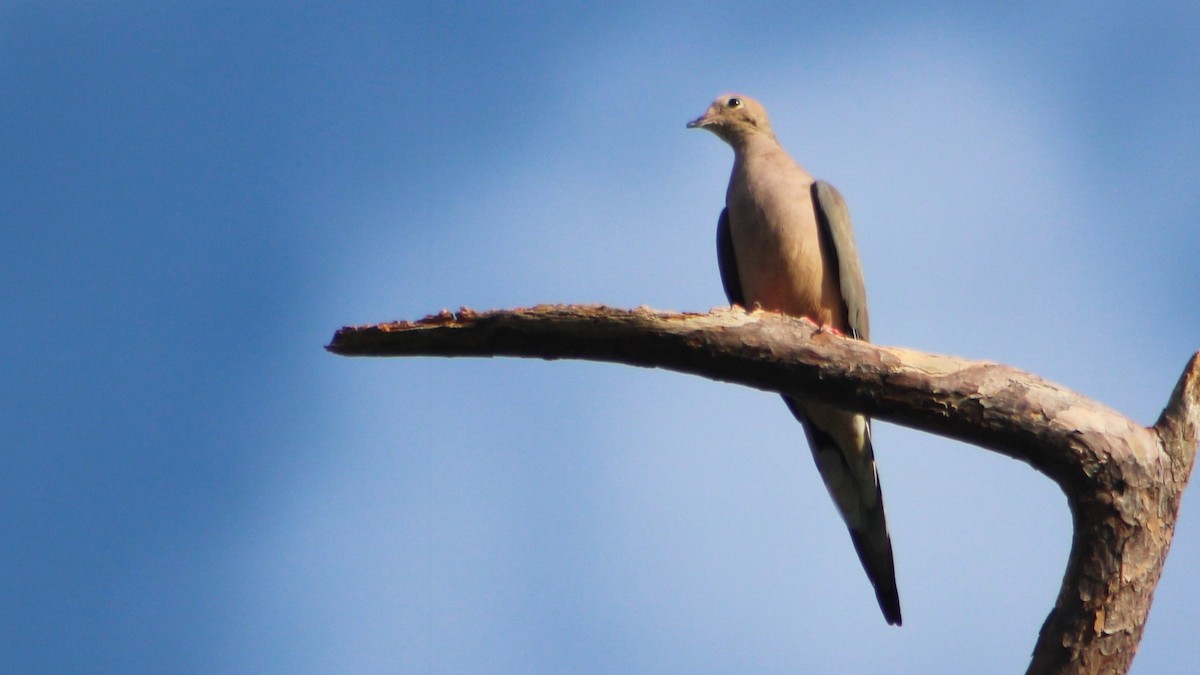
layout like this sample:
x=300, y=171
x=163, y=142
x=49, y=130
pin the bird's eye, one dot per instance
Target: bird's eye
x=734, y=103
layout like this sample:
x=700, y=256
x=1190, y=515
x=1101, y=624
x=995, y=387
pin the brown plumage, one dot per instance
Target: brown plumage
x=784, y=243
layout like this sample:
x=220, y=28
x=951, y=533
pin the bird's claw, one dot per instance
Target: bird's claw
x=822, y=327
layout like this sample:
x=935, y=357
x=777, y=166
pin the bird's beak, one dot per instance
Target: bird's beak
x=699, y=123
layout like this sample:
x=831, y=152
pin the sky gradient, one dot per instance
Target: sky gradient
x=194, y=195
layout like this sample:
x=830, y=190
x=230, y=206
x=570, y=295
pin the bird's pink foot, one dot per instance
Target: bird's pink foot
x=826, y=328
x=822, y=327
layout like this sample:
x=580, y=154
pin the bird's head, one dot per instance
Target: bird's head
x=734, y=117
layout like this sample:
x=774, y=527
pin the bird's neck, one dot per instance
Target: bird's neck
x=759, y=149
x=746, y=146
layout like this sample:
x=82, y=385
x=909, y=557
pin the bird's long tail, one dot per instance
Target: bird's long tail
x=841, y=445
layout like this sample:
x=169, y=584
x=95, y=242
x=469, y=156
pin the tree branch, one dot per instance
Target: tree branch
x=1123, y=481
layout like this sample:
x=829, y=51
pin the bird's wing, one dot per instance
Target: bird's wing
x=727, y=261
x=834, y=220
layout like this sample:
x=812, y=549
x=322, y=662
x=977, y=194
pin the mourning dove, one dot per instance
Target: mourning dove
x=784, y=243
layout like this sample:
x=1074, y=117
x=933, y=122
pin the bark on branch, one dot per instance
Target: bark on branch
x=1123, y=481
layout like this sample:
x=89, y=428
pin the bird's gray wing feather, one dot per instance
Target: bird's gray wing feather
x=727, y=261
x=834, y=219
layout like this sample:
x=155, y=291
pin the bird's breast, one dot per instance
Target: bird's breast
x=777, y=244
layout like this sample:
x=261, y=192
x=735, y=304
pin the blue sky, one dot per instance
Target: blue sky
x=193, y=196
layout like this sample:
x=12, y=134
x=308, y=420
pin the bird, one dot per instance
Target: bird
x=784, y=243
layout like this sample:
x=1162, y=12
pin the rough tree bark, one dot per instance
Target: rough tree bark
x=1123, y=481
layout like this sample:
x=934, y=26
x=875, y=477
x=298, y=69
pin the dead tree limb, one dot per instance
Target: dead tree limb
x=1123, y=481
